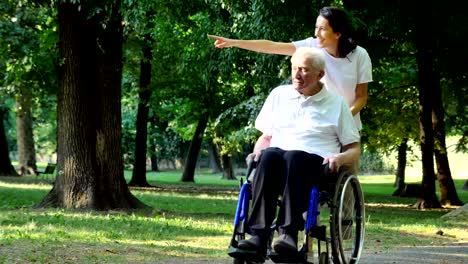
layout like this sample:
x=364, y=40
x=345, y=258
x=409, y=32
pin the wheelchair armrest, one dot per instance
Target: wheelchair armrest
x=326, y=171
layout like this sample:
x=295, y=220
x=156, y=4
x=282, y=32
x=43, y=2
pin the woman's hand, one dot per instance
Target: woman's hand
x=221, y=42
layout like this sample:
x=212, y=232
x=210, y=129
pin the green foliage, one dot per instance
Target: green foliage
x=28, y=37
x=219, y=83
x=228, y=123
x=390, y=41
x=129, y=110
x=28, y=60
x=374, y=162
x=393, y=96
x=190, y=78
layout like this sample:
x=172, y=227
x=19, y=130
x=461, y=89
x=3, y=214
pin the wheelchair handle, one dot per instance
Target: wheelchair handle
x=251, y=166
x=326, y=170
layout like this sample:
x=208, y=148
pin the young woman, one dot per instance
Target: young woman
x=348, y=67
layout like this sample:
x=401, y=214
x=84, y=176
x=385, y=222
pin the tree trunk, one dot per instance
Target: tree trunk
x=141, y=138
x=6, y=168
x=90, y=163
x=400, y=173
x=427, y=82
x=24, y=134
x=448, y=192
x=154, y=157
x=228, y=171
x=215, y=162
x=155, y=126
x=428, y=198
x=192, y=155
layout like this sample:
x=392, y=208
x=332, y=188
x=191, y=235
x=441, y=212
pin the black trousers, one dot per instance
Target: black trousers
x=290, y=174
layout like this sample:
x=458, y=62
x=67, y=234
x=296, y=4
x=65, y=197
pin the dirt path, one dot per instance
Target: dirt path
x=456, y=253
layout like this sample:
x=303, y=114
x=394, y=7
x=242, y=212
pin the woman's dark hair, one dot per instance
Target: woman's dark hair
x=340, y=22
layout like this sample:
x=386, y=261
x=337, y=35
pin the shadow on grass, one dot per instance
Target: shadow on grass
x=184, y=226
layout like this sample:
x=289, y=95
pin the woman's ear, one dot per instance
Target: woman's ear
x=337, y=35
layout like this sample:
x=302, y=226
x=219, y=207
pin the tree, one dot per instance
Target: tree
x=188, y=174
x=29, y=70
x=6, y=169
x=400, y=172
x=448, y=192
x=90, y=160
x=141, y=138
x=444, y=47
x=428, y=85
x=25, y=137
x=213, y=153
x=428, y=50
x=408, y=29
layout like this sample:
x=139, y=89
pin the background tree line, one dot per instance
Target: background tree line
x=107, y=84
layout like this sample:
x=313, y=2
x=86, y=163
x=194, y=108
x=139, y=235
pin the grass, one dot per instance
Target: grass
x=184, y=225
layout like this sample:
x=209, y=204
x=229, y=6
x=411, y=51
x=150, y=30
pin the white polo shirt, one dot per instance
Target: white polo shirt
x=343, y=74
x=318, y=124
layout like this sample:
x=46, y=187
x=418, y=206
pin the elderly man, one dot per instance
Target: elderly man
x=305, y=127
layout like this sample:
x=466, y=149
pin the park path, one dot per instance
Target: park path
x=454, y=253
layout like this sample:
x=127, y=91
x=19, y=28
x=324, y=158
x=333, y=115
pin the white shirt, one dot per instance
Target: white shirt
x=343, y=74
x=318, y=124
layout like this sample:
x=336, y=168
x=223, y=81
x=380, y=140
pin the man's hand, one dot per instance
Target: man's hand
x=334, y=163
x=349, y=157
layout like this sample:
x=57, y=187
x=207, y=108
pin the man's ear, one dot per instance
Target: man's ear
x=321, y=73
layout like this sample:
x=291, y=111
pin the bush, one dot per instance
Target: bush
x=375, y=163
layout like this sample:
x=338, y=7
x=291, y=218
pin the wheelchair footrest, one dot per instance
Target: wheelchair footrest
x=299, y=257
x=247, y=255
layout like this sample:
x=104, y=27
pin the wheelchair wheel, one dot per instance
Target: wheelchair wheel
x=347, y=220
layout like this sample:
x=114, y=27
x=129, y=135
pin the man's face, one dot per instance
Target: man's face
x=304, y=78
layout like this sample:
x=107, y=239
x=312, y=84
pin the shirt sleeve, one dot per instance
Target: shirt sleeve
x=364, y=67
x=308, y=42
x=264, y=121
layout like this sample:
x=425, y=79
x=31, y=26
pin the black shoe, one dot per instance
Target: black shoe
x=285, y=244
x=255, y=243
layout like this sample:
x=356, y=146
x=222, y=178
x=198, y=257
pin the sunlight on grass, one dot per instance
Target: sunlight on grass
x=202, y=177
x=25, y=186
x=390, y=179
x=203, y=196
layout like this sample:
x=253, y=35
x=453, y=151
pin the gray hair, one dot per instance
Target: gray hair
x=314, y=56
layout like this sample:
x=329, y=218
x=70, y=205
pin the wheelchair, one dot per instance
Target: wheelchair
x=341, y=193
